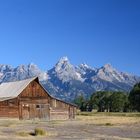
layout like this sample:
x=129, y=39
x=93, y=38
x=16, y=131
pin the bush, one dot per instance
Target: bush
x=108, y=124
x=39, y=132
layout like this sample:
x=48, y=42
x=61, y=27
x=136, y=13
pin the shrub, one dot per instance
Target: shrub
x=108, y=124
x=39, y=132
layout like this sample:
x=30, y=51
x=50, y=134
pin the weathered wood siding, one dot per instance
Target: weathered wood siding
x=9, y=108
x=58, y=110
x=61, y=111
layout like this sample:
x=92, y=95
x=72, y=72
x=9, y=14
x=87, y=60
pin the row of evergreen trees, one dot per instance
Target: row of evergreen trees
x=111, y=101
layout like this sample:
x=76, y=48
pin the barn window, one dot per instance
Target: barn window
x=37, y=106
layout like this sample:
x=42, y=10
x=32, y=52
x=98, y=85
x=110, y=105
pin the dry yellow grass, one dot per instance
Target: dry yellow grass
x=114, y=120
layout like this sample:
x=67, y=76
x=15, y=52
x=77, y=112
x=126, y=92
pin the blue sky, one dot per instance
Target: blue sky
x=92, y=31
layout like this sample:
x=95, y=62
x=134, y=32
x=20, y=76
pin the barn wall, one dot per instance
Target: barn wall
x=60, y=110
x=9, y=108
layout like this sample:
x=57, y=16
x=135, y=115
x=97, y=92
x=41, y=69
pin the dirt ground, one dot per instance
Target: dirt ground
x=82, y=128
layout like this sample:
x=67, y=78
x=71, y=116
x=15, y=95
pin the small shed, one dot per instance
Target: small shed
x=27, y=99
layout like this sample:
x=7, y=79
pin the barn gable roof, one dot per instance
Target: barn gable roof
x=11, y=90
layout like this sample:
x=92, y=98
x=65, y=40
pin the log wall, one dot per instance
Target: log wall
x=9, y=108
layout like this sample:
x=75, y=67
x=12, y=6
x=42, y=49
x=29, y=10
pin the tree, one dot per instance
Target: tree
x=127, y=105
x=107, y=101
x=118, y=101
x=81, y=103
x=100, y=101
x=134, y=98
x=110, y=101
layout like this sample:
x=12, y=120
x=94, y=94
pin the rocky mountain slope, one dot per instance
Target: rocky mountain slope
x=66, y=81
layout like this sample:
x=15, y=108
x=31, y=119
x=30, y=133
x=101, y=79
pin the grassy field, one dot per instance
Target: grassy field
x=135, y=114
x=86, y=126
x=109, y=118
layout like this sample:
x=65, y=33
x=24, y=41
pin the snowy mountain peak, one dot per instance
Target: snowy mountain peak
x=21, y=68
x=65, y=71
x=108, y=66
x=32, y=65
x=84, y=65
x=109, y=73
x=63, y=64
x=85, y=69
x=63, y=59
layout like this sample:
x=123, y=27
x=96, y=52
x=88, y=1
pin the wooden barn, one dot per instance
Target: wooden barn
x=27, y=99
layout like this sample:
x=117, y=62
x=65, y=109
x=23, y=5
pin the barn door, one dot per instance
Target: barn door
x=25, y=112
x=42, y=111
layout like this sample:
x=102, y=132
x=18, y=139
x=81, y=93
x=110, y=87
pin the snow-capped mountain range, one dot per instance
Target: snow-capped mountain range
x=66, y=81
